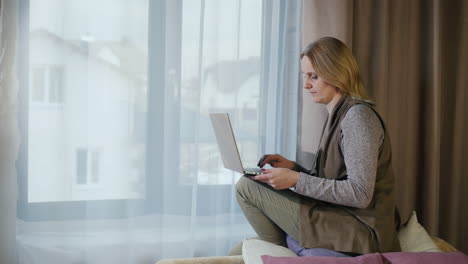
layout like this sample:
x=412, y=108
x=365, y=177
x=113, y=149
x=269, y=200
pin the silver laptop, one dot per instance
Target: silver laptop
x=227, y=145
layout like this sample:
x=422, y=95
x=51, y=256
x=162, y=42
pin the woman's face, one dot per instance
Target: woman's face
x=321, y=91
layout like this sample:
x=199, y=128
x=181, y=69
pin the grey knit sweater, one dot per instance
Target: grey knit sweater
x=362, y=135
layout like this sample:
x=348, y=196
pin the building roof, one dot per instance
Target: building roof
x=122, y=57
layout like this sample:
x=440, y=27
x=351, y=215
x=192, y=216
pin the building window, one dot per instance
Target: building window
x=38, y=81
x=87, y=167
x=56, y=84
x=47, y=84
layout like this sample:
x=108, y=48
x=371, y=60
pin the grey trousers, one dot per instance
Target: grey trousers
x=272, y=213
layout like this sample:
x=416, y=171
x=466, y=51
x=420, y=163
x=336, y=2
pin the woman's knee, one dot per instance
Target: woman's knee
x=246, y=187
x=242, y=186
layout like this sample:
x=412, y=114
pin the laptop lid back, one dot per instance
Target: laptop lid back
x=226, y=142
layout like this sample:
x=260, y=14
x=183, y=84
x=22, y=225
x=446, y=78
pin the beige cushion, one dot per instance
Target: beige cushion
x=443, y=245
x=253, y=249
x=414, y=238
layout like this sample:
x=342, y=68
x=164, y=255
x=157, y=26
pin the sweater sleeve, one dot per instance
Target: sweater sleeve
x=299, y=168
x=362, y=135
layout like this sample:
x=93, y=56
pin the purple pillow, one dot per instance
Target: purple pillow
x=364, y=259
x=425, y=257
x=377, y=258
x=295, y=247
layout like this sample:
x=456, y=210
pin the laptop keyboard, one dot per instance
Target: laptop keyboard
x=253, y=171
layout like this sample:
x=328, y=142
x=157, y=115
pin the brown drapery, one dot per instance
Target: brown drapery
x=413, y=56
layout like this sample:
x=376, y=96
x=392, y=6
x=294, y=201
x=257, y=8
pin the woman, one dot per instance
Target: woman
x=346, y=201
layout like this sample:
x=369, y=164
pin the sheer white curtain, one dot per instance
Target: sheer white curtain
x=8, y=131
x=117, y=159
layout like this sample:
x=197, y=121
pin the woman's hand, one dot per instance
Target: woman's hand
x=279, y=179
x=276, y=161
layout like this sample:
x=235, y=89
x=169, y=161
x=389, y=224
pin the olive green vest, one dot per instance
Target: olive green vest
x=343, y=228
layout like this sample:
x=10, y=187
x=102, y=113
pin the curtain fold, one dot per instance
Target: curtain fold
x=280, y=77
x=413, y=58
x=8, y=131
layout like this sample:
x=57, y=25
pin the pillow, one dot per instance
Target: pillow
x=443, y=245
x=425, y=257
x=414, y=238
x=376, y=258
x=296, y=247
x=363, y=259
x=253, y=249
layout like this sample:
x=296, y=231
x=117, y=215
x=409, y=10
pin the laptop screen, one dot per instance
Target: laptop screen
x=226, y=142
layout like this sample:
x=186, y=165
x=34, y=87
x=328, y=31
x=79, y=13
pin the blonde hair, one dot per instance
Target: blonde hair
x=334, y=62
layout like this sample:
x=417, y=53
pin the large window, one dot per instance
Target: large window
x=118, y=161
x=92, y=128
